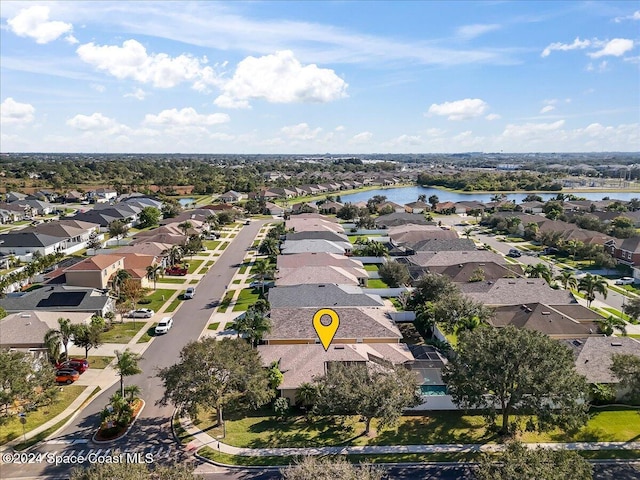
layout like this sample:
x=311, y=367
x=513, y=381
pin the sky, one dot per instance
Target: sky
x=318, y=77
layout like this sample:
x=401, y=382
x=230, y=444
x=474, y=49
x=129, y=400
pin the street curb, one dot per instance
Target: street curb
x=104, y=442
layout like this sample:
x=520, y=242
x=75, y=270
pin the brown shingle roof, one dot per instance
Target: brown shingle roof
x=96, y=263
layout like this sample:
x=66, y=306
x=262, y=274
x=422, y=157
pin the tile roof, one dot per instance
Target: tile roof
x=322, y=295
x=96, y=263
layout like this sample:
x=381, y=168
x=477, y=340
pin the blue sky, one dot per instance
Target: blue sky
x=318, y=77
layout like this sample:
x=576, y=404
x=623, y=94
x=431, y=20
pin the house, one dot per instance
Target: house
x=446, y=258
x=470, y=272
x=304, y=207
x=531, y=207
x=12, y=212
x=301, y=260
x=317, y=235
x=230, y=196
x=13, y=197
x=416, y=207
x=274, y=209
x=46, y=195
x=445, y=208
x=404, y=234
x=166, y=238
x=466, y=207
x=74, y=196
x=594, y=358
x=102, y=195
x=59, y=299
x=330, y=207
x=401, y=218
x=25, y=330
x=515, y=291
x=22, y=243
x=146, y=248
x=442, y=245
x=392, y=206
x=307, y=222
x=628, y=253
x=315, y=245
x=322, y=274
x=75, y=233
x=545, y=319
x=94, y=272
x=323, y=296
x=37, y=207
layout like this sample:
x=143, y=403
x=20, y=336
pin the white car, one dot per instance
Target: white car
x=141, y=313
x=625, y=281
x=164, y=325
x=190, y=293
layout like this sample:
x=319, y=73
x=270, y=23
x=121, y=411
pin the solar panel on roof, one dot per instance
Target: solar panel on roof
x=62, y=299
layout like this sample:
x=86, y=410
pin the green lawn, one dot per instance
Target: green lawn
x=226, y=301
x=256, y=431
x=246, y=298
x=123, y=332
x=172, y=280
x=617, y=313
x=211, y=244
x=209, y=263
x=224, y=245
x=99, y=361
x=148, y=335
x=237, y=282
x=13, y=428
x=158, y=299
x=376, y=283
x=194, y=281
x=194, y=265
x=173, y=305
x=243, y=268
x=213, y=326
x=372, y=267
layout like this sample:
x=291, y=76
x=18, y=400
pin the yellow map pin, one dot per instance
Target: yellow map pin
x=326, y=332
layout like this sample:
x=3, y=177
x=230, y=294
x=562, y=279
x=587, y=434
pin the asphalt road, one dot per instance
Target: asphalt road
x=152, y=430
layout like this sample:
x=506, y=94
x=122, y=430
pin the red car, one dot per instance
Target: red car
x=176, y=271
x=80, y=365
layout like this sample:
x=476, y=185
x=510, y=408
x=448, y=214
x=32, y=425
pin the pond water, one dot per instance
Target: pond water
x=186, y=201
x=402, y=195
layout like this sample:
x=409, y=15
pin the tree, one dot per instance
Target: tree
x=592, y=284
x=626, y=367
x=122, y=308
x=149, y=217
x=170, y=208
x=622, y=227
x=132, y=392
x=567, y=279
x=468, y=231
x=193, y=245
x=216, y=373
x=604, y=260
x=253, y=325
x=118, y=280
x=373, y=202
x=275, y=375
x=430, y=287
x=132, y=291
x=539, y=270
x=366, y=222
x=262, y=269
x=394, y=274
x=371, y=249
x=185, y=226
x=118, y=229
x=573, y=246
x=62, y=335
x=326, y=468
x=307, y=394
x=370, y=393
x=88, y=336
x=94, y=241
x=133, y=471
x=518, y=462
x=154, y=272
x=126, y=365
x=433, y=201
x=24, y=381
x=532, y=374
x=175, y=254
x=609, y=325
x=422, y=198
x=269, y=247
x=226, y=217
x=632, y=308
x=348, y=212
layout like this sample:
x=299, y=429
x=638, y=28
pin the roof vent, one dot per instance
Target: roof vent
x=513, y=283
x=546, y=313
x=616, y=344
x=481, y=264
x=338, y=347
x=25, y=315
x=577, y=343
x=321, y=285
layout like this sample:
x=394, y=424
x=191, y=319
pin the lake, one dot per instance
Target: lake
x=404, y=195
x=186, y=201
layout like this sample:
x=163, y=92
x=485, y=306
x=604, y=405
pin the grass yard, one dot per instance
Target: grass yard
x=211, y=244
x=13, y=428
x=148, y=335
x=224, y=304
x=224, y=245
x=237, y=282
x=213, y=326
x=246, y=298
x=376, y=283
x=243, y=268
x=99, y=361
x=158, y=299
x=617, y=313
x=173, y=305
x=209, y=263
x=172, y=280
x=194, y=265
x=123, y=332
x=372, y=267
x=194, y=281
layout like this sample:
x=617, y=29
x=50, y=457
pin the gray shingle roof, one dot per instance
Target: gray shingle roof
x=443, y=245
x=321, y=295
x=515, y=291
x=594, y=356
x=544, y=319
x=58, y=298
x=28, y=239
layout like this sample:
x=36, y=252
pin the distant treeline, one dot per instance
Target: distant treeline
x=491, y=181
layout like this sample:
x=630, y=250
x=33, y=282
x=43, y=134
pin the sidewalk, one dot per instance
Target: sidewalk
x=203, y=439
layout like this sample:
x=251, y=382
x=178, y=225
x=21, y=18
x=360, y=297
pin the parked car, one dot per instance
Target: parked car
x=514, y=253
x=164, y=325
x=176, y=271
x=67, y=375
x=190, y=292
x=625, y=281
x=141, y=313
x=247, y=222
x=80, y=365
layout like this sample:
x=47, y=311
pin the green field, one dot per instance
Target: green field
x=172, y=280
x=372, y=267
x=246, y=298
x=158, y=299
x=123, y=332
x=194, y=265
x=148, y=335
x=99, y=361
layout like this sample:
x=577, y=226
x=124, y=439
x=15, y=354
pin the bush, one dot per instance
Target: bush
x=281, y=407
x=144, y=301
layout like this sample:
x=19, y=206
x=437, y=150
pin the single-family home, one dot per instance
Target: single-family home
x=315, y=245
x=316, y=259
x=416, y=207
x=74, y=196
x=94, y=272
x=230, y=196
x=626, y=252
x=471, y=272
x=322, y=274
x=13, y=197
x=391, y=207
x=531, y=207
x=411, y=233
x=401, y=218
x=323, y=295
x=515, y=291
x=274, y=209
x=22, y=243
x=59, y=298
x=102, y=195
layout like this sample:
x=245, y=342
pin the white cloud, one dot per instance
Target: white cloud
x=616, y=48
x=460, y=109
x=15, y=113
x=547, y=108
x=404, y=140
x=33, y=22
x=280, y=78
x=362, y=137
x=187, y=117
x=436, y=132
x=160, y=70
x=96, y=121
x=601, y=67
x=98, y=88
x=301, y=131
x=531, y=130
x=634, y=16
x=138, y=94
x=340, y=128
x=577, y=44
x=475, y=30
x=493, y=116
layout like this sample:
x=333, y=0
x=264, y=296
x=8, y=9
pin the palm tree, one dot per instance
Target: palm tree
x=468, y=231
x=62, y=335
x=253, y=325
x=610, y=324
x=422, y=198
x=175, y=254
x=132, y=391
x=306, y=394
x=118, y=280
x=567, y=279
x=269, y=247
x=468, y=324
x=539, y=270
x=592, y=284
x=573, y=246
x=154, y=272
x=262, y=269
x=185, y=226
x=52, y=344
x=126, y=365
